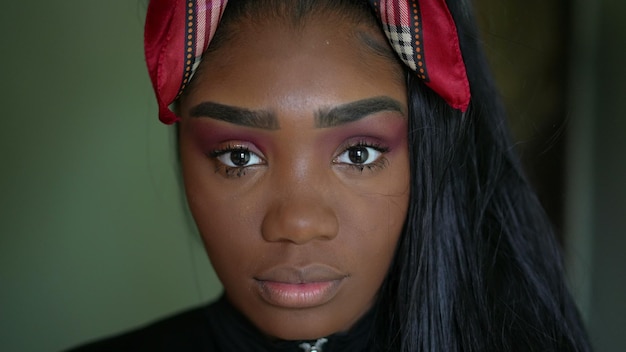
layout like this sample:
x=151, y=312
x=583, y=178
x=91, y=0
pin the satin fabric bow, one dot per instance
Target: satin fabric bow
x=422, y=33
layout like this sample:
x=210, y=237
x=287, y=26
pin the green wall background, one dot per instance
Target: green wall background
x=94, y=237
x=607, y=244
x=93, y=233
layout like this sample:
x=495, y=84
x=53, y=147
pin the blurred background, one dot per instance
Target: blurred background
x=94, y=234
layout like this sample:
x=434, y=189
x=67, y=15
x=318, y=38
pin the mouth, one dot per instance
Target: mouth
x=298, y=288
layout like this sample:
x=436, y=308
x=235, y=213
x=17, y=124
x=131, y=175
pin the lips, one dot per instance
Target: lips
x=297, y=288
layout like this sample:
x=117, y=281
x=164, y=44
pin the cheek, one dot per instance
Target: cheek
x=380, y=205
x=375, y=224
x=232, y=242
x=372, y=221
x=371, y=227
x=227, y=235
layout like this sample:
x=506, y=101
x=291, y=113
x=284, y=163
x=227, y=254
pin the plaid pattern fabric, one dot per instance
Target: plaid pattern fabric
x=395, y=17
x=400, y=40
x=421, y=32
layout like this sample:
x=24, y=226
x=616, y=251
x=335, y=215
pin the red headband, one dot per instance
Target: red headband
x=422, y=33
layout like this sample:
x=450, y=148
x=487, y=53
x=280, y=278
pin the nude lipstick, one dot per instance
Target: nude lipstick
x=299, y=288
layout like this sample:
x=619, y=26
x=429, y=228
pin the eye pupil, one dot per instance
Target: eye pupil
x=358, y=155
x=240, y=157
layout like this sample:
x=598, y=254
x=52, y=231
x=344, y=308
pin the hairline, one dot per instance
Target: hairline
x=298, y=18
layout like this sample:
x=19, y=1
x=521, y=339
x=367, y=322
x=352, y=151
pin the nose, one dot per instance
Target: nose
x=299, y=219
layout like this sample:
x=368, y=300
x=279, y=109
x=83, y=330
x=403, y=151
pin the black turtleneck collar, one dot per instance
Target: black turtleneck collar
x=236, y=333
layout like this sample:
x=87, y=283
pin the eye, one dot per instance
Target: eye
x=237, y=157
x=360, y=155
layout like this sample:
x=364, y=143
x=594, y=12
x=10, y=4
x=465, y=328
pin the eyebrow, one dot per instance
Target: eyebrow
x=262, y=119
x=324, y=118
x=354, y=111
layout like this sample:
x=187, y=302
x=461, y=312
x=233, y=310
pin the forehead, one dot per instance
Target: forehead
x=265, y=60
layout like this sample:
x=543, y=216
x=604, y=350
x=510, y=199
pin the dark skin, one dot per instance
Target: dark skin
x=295, y=162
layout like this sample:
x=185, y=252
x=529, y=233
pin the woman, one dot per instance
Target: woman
x=349, y=170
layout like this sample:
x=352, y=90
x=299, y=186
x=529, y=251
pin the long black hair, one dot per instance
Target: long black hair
x=477, y=267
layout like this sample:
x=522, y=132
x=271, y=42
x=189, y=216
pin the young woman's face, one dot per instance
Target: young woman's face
x=295, y=161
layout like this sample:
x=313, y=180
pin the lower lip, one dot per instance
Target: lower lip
x=297, y=296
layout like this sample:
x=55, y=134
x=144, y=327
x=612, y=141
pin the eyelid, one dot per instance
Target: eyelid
x=253, y=158
x=235, y=145
x=235, y=171
x=364, y=142
x=377, y=154
x=379, y=163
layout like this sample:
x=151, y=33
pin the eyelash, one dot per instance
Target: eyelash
x=378, y=164
x=239, y=171
x=231, y=171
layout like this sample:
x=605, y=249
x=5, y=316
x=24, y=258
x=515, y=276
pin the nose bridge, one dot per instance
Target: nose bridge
x=301, y=208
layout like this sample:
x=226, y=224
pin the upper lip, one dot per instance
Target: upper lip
x=301, y=275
